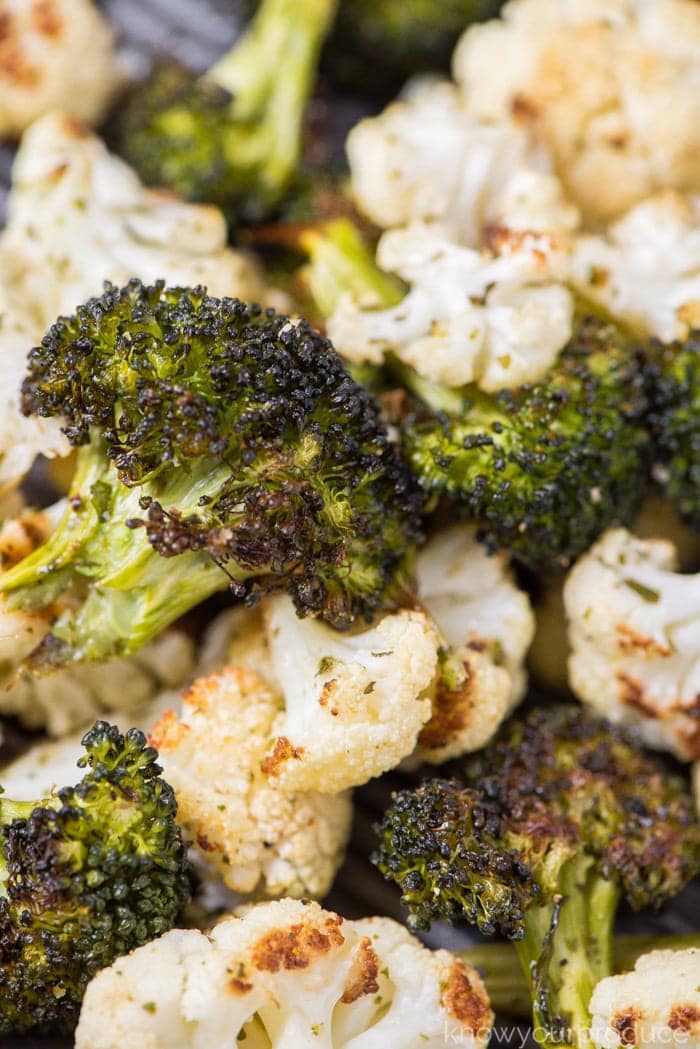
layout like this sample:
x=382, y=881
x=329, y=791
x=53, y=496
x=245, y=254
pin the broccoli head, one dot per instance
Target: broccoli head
x=676, y=422
x=221, y=435
x=233, y=136
x=545, y=467
x=86, y=875
x=539, y=838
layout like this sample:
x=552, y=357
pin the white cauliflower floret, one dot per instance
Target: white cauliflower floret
x=54, y=54
x=634, y=629
x=351, y=705
x=258, y=837
x=77, y=216
x=286, y=974
x=658, y=1004
x=612, y=87
x=497, y=318
x=488, y=623
x=647, y=267
x=427, y=159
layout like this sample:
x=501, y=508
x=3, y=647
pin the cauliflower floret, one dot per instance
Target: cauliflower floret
x=658, y=1004
x=351, y=705
x=77, y=216
x=647, y=268
x=291, y=974
x=488, y=624
x=258, y=837
x=54, y=54
x=427, y=159
x=612, y=87
x=496, y=317
x=634, y=629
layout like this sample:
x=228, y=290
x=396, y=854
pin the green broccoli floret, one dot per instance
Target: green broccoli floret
x=226, y=437
x=676, y=422
x=539, y=839
x=233, y=136
x=546, y=467
x=86, y=875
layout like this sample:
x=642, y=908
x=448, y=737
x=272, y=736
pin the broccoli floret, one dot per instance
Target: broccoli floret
x=233, y=136
x=223, y=435
x=86, y=875
x=676, y=422
x=539, y=839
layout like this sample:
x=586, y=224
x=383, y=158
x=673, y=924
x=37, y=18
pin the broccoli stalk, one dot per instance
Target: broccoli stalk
x=222, y=446
x=86, y=875
x=545, y=832
x=233, y=136
x=508, y=987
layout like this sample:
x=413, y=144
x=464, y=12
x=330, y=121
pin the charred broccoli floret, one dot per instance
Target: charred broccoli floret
x=226, y=437
x=86, y=875
x=676, y=423
x=233, y=136
x=546, y=467
x=540, y=837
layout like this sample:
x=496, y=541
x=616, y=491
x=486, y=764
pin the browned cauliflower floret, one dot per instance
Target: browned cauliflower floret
x=286, y=974
x=658, y=1004
x=634, y=628
x=260, y=839
x=54, y=54
x=611, y=86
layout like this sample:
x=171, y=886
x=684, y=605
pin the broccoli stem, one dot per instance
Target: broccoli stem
x=567, y=950
x=341, y=263
x=507, y=985
x=271, y=71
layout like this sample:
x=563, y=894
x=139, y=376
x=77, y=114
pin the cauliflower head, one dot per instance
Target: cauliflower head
x=646, y=269
x=487, y=623
x=77, y=216
x=656, y=1004
x=426, y=158
x=286, y=974
x=351, y=705
x=259, y=838
x=497, y=317
x=596, y=81
x=54, y=54
x=634, y=630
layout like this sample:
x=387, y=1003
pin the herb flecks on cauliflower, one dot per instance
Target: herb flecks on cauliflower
x=646, y=269
x=260, y=838
x=286, y=973
x=487, y=625
x=427, y=159
x=497, y=317
x=351, y=705
x=656, y=1004
x=634, y=628
x=54, y=54
x=610, y=86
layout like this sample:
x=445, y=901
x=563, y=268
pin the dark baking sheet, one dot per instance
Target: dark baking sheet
x=197, y=32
